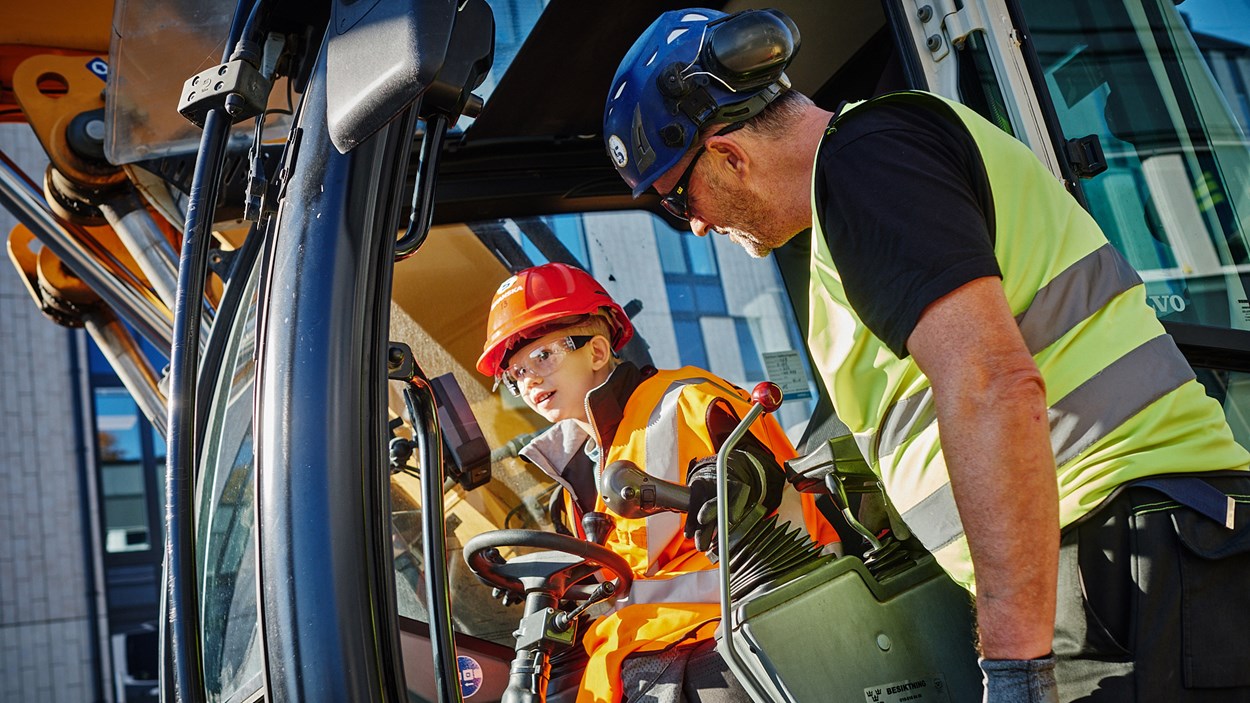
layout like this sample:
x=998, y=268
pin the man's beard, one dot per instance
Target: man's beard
x=745, y=218
x=747, y=241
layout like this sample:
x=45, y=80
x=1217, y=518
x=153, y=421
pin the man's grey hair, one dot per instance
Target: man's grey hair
x=776, y=120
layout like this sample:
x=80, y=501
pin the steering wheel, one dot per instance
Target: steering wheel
x=557, y=571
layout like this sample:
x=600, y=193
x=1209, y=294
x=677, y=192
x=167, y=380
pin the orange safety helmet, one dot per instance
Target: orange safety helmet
x=543, y=294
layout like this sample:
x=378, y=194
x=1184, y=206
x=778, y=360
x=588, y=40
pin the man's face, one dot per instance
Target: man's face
x=738, y=212
x=554, y=379
x=718, y=201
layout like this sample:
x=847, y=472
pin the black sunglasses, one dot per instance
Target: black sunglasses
x=676, y=201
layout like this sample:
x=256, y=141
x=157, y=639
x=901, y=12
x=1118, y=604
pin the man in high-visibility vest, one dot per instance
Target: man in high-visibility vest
x=552, y=336
x=993, y=355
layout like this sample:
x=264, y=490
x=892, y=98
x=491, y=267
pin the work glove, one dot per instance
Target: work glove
x=1020, y=680
x=701, y=513
x=753, y=478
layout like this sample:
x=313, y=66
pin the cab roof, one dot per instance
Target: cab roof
x=537, y=146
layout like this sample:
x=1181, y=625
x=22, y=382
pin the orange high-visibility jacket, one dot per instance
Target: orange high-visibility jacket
x=657, y=422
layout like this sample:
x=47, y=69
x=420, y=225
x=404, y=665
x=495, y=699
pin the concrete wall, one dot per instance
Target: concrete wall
x=47, y=652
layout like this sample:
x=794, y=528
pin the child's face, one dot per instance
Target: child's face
x=560, y=392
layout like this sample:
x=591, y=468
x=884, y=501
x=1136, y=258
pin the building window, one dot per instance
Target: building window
x=123, y=485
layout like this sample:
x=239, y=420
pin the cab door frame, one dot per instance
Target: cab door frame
x=929, y=36
x=937, y=30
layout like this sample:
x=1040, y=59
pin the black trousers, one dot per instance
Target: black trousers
x=681, y=674
x=1154, y=600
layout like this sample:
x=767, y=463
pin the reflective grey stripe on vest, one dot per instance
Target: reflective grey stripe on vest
x=662, y=452
x=904, y=419
x=1152, y=370
x=663, y=461
x=694, y=587
x=1074, y=295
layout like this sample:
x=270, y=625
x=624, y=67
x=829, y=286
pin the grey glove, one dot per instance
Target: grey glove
x=1020, y=680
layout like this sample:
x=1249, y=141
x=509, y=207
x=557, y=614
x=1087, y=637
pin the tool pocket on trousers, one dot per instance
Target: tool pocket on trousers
x=1215, y=599
x=1092, y=588
x=1099, y=640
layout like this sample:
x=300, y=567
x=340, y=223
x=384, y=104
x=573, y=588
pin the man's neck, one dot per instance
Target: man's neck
x=791, y=186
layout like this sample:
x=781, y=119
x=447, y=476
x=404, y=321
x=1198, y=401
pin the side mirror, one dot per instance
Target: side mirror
x=380, y=57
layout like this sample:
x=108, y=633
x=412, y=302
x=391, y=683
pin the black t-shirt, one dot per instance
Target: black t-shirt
x=906, y=207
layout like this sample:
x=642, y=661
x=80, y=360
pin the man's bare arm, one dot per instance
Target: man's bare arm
x=991, y=409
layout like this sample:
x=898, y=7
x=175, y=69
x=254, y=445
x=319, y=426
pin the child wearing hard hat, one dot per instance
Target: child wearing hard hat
x=552, y=339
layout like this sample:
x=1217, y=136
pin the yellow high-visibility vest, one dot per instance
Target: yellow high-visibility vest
x=1123, y=401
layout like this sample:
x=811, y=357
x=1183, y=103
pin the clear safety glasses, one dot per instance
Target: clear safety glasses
x=541, y=362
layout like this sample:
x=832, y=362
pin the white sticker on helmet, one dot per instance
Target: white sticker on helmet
x=676, y=33
x=506, y=285
x=617, y=148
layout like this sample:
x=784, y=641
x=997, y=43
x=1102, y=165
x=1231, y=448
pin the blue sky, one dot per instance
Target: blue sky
x=1229, y=19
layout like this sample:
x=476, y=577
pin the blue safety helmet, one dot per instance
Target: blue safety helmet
x=690, y=69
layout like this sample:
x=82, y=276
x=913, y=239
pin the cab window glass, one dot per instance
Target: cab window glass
x=693, y=301
x=226, y=522
x=697, y=301
x=1232, y=389
x=979, y=87
x=123, y=480
x=1168, y=105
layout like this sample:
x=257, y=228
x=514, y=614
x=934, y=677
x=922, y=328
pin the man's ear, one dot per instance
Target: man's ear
x=730, y=152
x=600, y=352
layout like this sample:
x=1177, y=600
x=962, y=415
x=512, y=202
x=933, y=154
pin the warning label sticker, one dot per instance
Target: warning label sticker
x=787, y=370
x=930, y=689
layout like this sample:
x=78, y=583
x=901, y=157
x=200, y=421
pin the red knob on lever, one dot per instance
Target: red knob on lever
x=768, y=395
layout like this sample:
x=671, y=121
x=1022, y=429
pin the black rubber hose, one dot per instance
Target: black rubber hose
x=180, y=625
x=244, y=14
x=183, y=362
x=231, y=301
